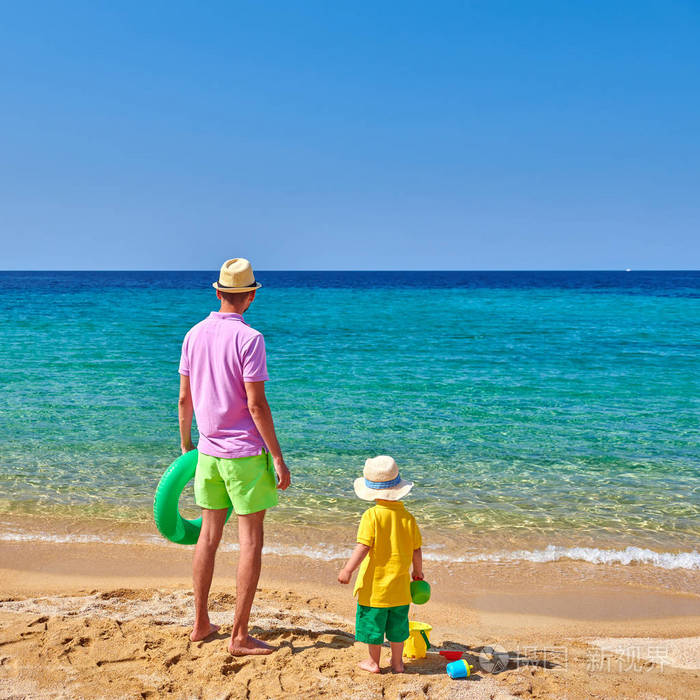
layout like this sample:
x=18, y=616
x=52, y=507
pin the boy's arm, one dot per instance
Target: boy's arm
x=184, y=414
x=358, y=554
x=417, y=564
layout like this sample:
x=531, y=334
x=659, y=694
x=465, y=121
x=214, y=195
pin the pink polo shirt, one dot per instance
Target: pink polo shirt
x=219, y=354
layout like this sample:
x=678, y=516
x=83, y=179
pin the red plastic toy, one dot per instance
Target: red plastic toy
x=451, y=655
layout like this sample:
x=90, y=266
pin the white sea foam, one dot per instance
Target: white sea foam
x=321, y=551
x=58, y=539
x=330, y=552
x=19, y=536
x=593, y=555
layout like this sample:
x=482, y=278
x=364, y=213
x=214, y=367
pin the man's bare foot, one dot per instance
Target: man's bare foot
x=199, y=634
x=397, y=668
x=369, y=665
x=249, y=647
x=260, y=643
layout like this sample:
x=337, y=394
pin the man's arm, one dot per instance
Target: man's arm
x=184, y=414
x=262, y=417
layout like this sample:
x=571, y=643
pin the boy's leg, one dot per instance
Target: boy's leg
x=372, y=664
x=397, y=633
x=369, y=628
x=397, y=657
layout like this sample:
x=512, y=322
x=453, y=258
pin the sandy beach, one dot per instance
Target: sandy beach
x=80, y=618
x=290, y=261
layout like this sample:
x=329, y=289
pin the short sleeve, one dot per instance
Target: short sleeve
x=184, y=358
x=417, y=539
x=365, y=532
x=254, y=360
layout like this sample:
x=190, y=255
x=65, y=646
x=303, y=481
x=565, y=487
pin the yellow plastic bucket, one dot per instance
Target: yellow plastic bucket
x=415, y=646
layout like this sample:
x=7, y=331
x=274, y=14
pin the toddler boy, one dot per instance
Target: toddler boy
x=388, y=542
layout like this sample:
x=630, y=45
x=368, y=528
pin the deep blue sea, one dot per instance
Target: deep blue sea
x=563, y=404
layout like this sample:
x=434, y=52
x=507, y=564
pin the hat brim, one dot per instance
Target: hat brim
x=236, y=290
x=395, y=493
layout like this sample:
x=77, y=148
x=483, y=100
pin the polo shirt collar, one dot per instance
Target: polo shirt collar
x=391, y=505
x=226, y=316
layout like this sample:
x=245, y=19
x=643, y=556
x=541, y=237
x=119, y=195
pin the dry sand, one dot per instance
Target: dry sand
x=90, y=620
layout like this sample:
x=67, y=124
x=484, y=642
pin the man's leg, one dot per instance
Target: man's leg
x=250, y=540
x=213, y=522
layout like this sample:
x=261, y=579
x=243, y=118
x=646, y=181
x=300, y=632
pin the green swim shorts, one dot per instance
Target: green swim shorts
x=371, y=624
x=248, y=484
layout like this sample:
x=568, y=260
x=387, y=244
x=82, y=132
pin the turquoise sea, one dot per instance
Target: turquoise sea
x=563, y=405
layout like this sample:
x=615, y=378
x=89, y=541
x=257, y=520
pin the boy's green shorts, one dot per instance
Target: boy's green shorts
x=246, y=483
x=371, y=624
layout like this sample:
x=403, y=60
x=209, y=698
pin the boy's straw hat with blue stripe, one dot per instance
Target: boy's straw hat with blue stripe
x=381, y=479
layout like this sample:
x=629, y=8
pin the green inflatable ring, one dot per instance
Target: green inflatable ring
x=169, y=522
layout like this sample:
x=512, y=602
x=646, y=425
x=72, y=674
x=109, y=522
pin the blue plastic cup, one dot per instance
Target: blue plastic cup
x=459, y=669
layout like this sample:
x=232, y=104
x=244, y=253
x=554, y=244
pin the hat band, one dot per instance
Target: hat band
x=382, y=484
x=252, y=284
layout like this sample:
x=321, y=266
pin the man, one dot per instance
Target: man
x=223, y=370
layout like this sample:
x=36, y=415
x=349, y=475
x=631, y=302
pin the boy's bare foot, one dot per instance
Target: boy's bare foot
x=249, y=647
x=369, y=665
x=198, y=634
x=397, y=668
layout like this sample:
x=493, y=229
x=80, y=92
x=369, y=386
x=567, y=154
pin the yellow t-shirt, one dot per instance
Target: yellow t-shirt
x=384, y=579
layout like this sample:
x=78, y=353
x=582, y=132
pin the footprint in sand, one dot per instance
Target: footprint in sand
x=38, y=621
x=172, y=660
x=228, y=669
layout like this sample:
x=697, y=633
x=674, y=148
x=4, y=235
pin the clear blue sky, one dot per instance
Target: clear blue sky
x=350, y=135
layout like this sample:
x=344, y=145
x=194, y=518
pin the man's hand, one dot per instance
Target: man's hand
x=418, y=575
x=187, y=447
x=344, y=576
x=283, y=475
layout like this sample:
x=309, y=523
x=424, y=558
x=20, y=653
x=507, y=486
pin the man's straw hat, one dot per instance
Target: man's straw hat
x=236, y=276
x=381, y=479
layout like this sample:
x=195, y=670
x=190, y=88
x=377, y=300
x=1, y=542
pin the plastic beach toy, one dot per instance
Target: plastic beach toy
x=451, y=655
x=420, y=592
x=418, y=641
x=459, y=669
x=169, y=522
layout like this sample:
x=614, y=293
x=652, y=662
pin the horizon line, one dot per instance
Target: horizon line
x=262, y=270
